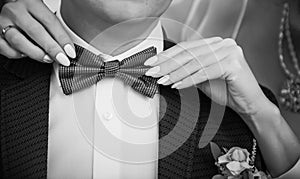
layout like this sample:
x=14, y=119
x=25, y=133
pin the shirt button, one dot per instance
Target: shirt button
x=107, y=116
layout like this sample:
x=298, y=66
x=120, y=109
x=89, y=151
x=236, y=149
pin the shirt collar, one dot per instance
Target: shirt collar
x=155, y=39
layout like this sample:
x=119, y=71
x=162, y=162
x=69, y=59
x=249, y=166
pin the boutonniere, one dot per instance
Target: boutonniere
x=236, y=163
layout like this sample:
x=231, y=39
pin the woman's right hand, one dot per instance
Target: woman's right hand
x=39, y=34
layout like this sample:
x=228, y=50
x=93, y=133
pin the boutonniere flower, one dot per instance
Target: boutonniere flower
x=236, y=160
x=236, y=163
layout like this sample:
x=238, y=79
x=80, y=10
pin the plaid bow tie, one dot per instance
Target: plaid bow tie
x=88, y=69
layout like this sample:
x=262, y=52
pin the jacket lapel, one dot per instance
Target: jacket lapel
x=24, y=120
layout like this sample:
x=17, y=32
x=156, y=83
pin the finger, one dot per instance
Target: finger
x=5, y=48
x=193, y=66
x=213, y=72
x=179, y=48
x=224, y=70
x=17, y=40
x=179, y=60
x=178, y=72
x=185, y=56
x=41, y=12
x=8, y=51
x=40, y=35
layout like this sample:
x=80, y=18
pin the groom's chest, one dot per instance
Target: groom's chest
x=26, y=107
x=105, y=127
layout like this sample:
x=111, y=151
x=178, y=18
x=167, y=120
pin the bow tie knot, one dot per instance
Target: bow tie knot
x=88, y=69
x=111, y=68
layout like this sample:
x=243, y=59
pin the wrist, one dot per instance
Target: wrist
x=266, y=113
x=265, y=107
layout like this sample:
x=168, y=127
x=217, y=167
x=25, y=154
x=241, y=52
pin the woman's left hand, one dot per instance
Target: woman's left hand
x=207, y=63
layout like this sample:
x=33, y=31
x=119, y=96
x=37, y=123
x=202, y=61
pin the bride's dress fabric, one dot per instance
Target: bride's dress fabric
x=205, y=18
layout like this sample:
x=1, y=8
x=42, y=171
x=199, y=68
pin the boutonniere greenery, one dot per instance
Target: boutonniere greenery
x=236, y=163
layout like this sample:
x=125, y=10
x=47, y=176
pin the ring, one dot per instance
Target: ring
x=6, y=29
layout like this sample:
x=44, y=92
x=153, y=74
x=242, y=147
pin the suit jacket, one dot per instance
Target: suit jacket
x=24, y=108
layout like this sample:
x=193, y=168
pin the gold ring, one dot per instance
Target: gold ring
x=6, y=29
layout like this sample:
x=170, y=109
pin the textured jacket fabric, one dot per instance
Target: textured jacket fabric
x=24, y=111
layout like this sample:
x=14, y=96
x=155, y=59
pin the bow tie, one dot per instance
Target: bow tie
x=87, y=69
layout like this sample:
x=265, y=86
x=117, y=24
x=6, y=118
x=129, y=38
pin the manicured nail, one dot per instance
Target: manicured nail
x=70, y=51
x=153, y=71
x=176, y=85
x=47, y=59
x=151, y=61
x=63, y=59
x=164, y=80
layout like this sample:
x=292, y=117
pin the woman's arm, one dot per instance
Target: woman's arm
x=37, y=33
x=278, y=144
x=222, y=60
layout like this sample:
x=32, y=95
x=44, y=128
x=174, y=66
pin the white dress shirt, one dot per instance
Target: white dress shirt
x=90, y=130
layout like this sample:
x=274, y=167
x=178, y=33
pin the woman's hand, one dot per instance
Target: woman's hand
x=219, y=69
x=37, y=33
x=208, y=63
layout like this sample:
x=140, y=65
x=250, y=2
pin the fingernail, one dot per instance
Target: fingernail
x=63, y=59
x=153, y=71
x=70, y=51
x=176, y=85
x=47, y=59
x=163, y=80
x=151, y=61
